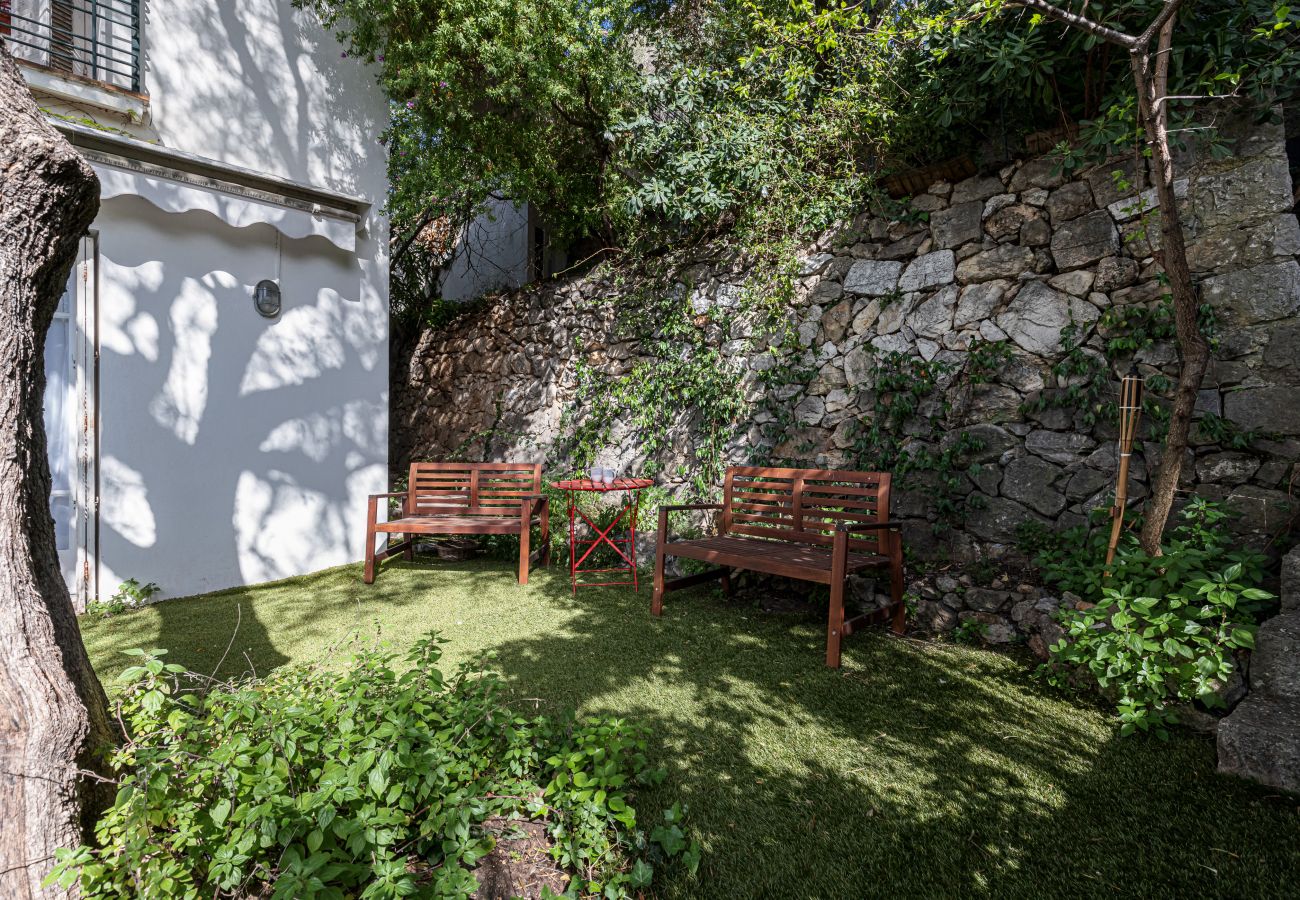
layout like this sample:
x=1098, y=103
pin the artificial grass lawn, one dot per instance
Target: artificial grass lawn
x=918, y=770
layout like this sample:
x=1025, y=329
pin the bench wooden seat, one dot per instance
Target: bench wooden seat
x=463, y=498
x=802, y=561
x=815, y=525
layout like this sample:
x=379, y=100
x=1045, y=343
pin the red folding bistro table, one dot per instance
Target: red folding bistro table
x=630, y=508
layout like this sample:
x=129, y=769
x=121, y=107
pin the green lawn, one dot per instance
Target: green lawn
x=919, y=769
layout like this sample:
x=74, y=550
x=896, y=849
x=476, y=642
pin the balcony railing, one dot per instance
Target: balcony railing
x=95, y=39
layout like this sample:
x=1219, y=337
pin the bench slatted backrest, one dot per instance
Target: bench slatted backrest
x=804, y=505
x=471, y=489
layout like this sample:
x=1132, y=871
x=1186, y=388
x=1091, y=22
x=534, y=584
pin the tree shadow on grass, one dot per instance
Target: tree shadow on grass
x=918, y=770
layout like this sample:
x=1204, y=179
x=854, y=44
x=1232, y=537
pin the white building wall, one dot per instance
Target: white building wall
x=234, y=449
x=493, y=253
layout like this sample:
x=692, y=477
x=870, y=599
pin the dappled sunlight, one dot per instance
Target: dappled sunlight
x=360, y=424
x=268, y=519
x=184, y=397
x=305, y=343
x=126, y=507
x=123, y=328
x=950, y=761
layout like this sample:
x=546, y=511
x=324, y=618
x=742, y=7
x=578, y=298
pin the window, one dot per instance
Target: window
x=94, y=39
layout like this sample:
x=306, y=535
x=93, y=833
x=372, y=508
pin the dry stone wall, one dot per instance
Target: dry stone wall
x=1021, y=259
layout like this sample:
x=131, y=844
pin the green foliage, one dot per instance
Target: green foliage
x=370, y=782
x=970, y=632
x=1154, y=631
x=907, y=432
x=1011, y=69
x=130, y=594
x=1156, y=651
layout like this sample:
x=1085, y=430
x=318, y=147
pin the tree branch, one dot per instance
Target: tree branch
x=1110, y=35
x=1165, y=18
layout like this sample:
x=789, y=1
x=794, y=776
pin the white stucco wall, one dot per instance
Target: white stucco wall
x=492, y=254
x=234, y=449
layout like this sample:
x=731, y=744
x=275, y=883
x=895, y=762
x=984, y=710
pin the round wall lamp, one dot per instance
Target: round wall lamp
x=266, y=298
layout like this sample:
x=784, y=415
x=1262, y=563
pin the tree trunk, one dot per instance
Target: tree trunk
x=54, y=720
x=1150, y=77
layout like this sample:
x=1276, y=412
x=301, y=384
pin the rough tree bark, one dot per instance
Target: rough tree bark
x=1150, y=77
x=54, y=721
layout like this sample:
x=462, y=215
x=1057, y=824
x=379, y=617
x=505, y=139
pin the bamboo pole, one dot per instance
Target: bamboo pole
x=1130, y=413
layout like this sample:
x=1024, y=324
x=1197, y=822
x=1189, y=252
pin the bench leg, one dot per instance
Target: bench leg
x=835, y=625
x=727, y=589
x=368, y=575
x=657, y=599
x=409, y=553
x=523, y=552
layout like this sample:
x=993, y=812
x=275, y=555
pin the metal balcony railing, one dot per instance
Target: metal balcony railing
x=95, y=39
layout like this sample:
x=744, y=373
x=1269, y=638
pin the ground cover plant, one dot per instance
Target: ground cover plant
x=920, y=769
x=359, y=781
x=1155, y=632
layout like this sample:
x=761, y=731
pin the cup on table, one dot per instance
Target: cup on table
x=607, y=476
x=595, y=473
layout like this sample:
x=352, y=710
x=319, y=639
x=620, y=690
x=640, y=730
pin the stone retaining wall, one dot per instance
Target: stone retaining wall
x=1010, y=257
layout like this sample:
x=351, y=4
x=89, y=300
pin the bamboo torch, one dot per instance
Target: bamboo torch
x=1130, y=411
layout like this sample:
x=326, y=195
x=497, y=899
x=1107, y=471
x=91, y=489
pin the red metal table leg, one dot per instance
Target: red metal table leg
x=573, y=547
x=636, y=512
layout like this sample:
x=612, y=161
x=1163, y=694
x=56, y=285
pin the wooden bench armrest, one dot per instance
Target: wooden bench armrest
x=674, y=507
x=538, y=501
x=373, y=510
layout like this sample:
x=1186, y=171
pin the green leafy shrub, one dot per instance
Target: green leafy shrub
x=1154, y=632
x=367, y=782
x=130, y=594
x=1155, y=652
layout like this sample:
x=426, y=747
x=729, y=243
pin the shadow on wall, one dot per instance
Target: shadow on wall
x=262, y=85
x=233, y=448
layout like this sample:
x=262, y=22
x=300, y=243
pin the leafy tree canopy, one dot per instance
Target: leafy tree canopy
x=622, y=119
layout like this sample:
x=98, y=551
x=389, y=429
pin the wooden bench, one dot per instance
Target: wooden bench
x=463, y=498
x=810, y=524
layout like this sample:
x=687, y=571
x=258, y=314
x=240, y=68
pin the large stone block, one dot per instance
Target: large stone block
x=978, y=302
x=1035, y=317
x=873, y=277
x=1005, y=261
x=1044, y=172
x=928, y=271
x=1236, y=247
x=933, y=317
x=1069, y=202
x=1254, y=190
x=993, y=441
x=977, y=187
x=1008, y=221
x=1261, y=741
x=1063, y=447
x=996, y=521
x=1260, y=510
x=956, y=225
x=1275, y=662
x=1032, y=481
x=1290, y=591
x=1271, y=408
x=1084, y=240
x=1263, y=293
